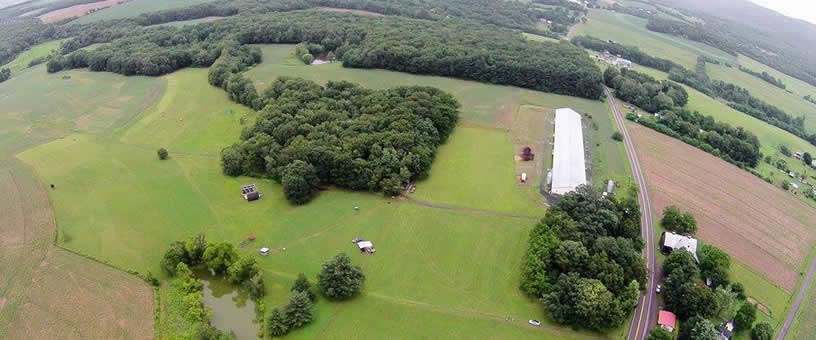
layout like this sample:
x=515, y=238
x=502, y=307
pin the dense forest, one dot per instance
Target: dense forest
x=764, y=76
x=342, y=134
x=735, y=145
x=632, y=53
x=446, y=48
x=583, y=260
x=644, y=91
x=692, y=32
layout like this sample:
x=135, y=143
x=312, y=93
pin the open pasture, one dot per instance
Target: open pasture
x=630, y=30
x=116, y=201
x=757, y=223
x=75, y=11
x=804, y=326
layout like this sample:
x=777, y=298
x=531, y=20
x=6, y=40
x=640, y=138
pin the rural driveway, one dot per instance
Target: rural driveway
x=783, y=332
x=646, y=311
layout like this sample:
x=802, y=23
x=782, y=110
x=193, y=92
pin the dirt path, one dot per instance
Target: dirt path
x=797, y=303
x=646, y=311
x=466, y=209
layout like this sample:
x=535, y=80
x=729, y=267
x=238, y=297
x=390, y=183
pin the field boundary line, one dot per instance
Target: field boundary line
x=474, y=211
x=797, y=302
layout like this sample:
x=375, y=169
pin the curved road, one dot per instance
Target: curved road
x=646, y=313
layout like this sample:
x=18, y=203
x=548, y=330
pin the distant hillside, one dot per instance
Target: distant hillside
x=776, y=40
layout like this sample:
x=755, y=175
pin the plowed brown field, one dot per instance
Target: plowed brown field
x=75, y=11
x=757, y=223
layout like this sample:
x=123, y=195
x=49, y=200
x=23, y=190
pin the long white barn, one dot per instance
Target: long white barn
x=569, y=167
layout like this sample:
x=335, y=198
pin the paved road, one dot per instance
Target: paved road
x=783, y=332
x=646, y=312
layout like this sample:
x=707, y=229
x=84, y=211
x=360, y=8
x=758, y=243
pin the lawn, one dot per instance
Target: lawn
x=804, y=326
x=23, y=59
x=134, y=8
x=630, y=30
x=536, y=37
x=116, y=201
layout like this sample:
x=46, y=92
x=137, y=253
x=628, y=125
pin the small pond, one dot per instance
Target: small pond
x=232, y=309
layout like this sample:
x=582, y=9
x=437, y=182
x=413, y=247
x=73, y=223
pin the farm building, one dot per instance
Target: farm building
x=667, y=320
x=726, y=330
x=670, y=242
x=569, y=168
x=250, y=192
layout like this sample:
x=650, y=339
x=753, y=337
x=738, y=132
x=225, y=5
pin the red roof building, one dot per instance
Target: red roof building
x=667, y=320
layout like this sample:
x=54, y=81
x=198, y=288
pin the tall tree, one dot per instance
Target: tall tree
x=298, y=312
x=339, y=279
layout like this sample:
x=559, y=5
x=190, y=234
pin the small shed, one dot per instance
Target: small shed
x=250, y=192
x=366, y=247
x=523, y=177
x=610, y=186
x=667, y=320
x=264, y=251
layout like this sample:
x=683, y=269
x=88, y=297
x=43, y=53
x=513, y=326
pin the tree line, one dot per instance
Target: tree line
x=764, y=76
x=342, y=134
x=644, y=91
x=583, y=259
x=741, y=99
x=445, y=48
x=5, y=74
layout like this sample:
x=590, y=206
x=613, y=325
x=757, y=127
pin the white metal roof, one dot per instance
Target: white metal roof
x=676, y=241
x=365, y=244
x=569, y=168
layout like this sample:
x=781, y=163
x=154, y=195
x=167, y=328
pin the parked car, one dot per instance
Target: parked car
x=535, y=323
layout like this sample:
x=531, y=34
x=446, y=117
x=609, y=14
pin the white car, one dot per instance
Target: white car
x=534, y=322
x=657, y=290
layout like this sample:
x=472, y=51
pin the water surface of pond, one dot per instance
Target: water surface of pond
x=232, y=309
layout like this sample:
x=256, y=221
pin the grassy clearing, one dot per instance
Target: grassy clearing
x=804, y=326
x=631, y=30
x=798, y=87
x=765, y=292
x=189, y=22
x=134, y=8
x=23, y=59
x=536, y=37
x=482, y=104
x=118, y=202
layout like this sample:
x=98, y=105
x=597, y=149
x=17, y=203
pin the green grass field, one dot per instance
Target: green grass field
x=23, y=59
x=536, y=37
x=116, y=201
x=630, y=30
x=804, y=326
x=791, y=103
x=134, y=8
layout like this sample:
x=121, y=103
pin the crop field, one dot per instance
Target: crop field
x=134, y=8
x=117, y=202
x=758, y=224
x=791, y=103
x=42, y=50
x=630, y=30
x=75, y=11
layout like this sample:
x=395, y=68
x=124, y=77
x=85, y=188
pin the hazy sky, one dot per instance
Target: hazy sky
x=800, y=9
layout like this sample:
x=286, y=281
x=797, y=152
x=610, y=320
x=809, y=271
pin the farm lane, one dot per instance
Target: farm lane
x=466, y=209
x=646, y=310
x=797, y=303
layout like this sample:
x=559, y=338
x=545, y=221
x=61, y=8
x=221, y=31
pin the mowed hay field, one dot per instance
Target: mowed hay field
x=117, y=202
x=47, y=292
x=630, y=30
x=757, y=223
x=75, y=11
